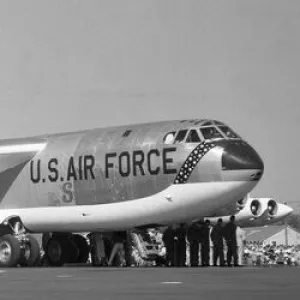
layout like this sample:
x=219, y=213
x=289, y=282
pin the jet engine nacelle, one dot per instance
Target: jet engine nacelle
x=272, y=208
x=255, y=212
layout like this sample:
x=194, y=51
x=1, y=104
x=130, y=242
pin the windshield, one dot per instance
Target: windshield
x=193, y=137
x=210, y=133
x=180, y=136
x=228, y=132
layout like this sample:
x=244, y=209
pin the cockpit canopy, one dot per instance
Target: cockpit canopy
x=200, y=131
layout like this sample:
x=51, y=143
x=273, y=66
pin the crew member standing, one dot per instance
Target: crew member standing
x=168, y=239
x=193, y=237
x=205, y=244
x=180, y=256
x=128, y=250
x=100, y=253
x=217, y=239
x=230, y=236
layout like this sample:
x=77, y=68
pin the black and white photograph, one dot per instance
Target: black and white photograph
x=149, y=149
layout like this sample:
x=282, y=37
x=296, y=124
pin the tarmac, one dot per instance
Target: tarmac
x=87, y=283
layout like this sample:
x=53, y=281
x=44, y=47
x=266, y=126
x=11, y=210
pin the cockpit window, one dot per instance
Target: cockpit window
x=180, y=136
x=210, y=133
x=169, y=138
x=193, y=137
x=228, y=132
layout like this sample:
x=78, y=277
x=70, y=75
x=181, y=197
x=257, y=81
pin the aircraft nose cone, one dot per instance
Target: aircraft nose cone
x=239, y=155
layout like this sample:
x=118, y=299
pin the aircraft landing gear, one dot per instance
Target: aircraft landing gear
x=10, y=251
x=30, y=252
x=66, y=248
x=14, y=251
x=17, y=247
x=83, y=248
x=57, y=251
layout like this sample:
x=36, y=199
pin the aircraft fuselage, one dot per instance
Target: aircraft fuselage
x=125, y=176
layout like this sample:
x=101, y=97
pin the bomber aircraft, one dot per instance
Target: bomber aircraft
x=117, y=178
x=257, y=212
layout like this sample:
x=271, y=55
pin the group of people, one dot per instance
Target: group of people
x=256, y=253
x=110, y=249
x=178, y=245
x=197, y=244
x=183, y=245
x=199, y=236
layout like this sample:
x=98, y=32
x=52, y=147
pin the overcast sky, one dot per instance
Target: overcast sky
x=69, y=65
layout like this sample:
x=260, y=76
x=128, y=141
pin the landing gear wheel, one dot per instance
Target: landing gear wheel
x=10, y=251
x=31, y=252
x=57, y=251
x=73, y=252
x=83, y=248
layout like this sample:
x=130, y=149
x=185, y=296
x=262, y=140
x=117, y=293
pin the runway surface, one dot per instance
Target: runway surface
x=87, y=283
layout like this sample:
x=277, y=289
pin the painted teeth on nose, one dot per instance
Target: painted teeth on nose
x=192, y=160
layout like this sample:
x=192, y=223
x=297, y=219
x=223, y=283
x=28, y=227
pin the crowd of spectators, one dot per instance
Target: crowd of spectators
x=147, y=248
x=251, y=254
x=256, y=253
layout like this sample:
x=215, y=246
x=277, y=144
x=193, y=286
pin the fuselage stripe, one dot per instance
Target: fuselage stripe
x=193, y=159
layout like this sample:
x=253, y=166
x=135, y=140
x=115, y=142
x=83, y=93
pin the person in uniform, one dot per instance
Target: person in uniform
x=180, y=249
x=168, y=239
x=92, y=243
x=128, y=250
x=218, y=245
x=100, y=249
x=230, y=236
x=193, y=237
x=97, y=249
x=205, y=244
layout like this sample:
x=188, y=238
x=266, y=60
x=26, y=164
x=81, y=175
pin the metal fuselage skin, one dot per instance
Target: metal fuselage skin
x=123, y=177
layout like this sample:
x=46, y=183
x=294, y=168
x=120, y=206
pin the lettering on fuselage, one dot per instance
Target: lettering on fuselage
x=137, y=163
x=81, y=169
x=67, y=192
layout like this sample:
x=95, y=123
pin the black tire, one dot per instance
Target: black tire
x=10, y=251
x=83, y=248
x=73, y=252
x=31, y=252
x=57, y=251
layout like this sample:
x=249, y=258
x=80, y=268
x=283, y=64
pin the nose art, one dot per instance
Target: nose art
x=239, y=155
